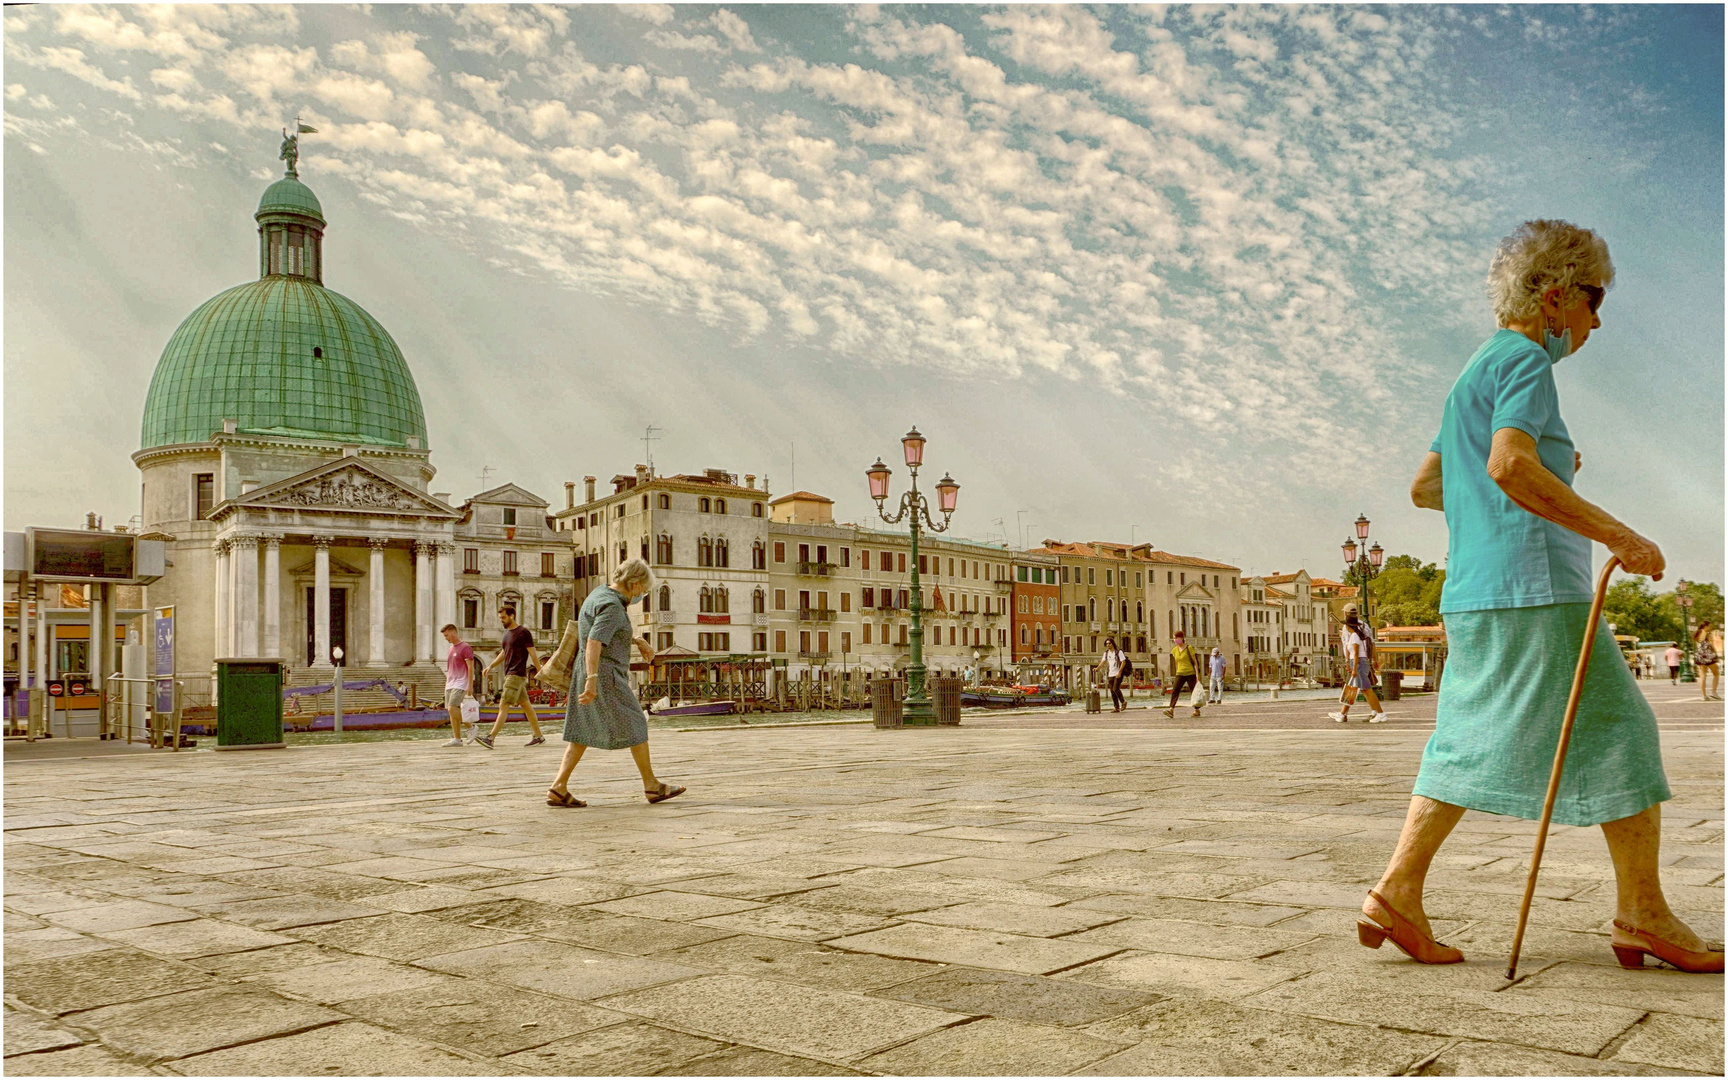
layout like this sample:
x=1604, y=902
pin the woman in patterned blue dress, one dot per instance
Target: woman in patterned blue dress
x=606, y=714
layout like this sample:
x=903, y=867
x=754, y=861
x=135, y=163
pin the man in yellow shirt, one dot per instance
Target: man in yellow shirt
x=1187, y=663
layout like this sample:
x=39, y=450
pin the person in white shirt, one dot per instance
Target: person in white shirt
x=1112, y=665
x=1215, y=687
x=1358, y=643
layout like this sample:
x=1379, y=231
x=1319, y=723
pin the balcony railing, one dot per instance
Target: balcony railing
x=663, y=617
x=815, y=614
x=759, y=618
x=807, y=568
x=802, y=655
x=1004, y=585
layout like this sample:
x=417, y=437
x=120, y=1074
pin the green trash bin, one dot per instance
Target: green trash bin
x=249, y=703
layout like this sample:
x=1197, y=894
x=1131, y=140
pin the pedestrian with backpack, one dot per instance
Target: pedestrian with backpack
x=1115, y=666
x=1359, y=661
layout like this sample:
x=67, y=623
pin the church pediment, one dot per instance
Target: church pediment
x=346, y=485
x=509, y=495
x=1194, y=591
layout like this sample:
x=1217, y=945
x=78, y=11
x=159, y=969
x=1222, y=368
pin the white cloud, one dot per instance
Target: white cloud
x=658, y=14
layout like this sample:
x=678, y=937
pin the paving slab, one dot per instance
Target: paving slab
x=812, y=1022
x=636, y=1048
x=91, y=1059
x=336, y=981
x=1468, y=1057
x=197, y=937
x=1189, y=938
x=263, y=961
x=749, y=1061
x=480, y=1017
x=178, y=1025
x=675, y=906
x=983, y=992
x=286, y=912
x=1183, y=1037
x=1024, y=919
x=27, y=1033
x=992, y=1047
x=401, y=937
x=795, y=921
x=799, y=962
x=91, y=980
x=976, y=948
x=563, y=970
x=351, y=1048
x=1675, y=1042
x=1171, y=973
x=27, y=945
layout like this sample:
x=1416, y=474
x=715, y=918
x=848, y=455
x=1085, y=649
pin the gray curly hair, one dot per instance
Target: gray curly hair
x=1542, y=255
x=632, y=576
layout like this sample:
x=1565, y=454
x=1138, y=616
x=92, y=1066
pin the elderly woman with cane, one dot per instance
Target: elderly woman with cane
x=1516, y=603
x=606, y=713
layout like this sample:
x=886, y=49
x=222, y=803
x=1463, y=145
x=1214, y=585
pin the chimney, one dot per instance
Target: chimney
x=248, y=484
x=442, y=496
x=91, y=521
x=750, y=481
x=229, y=427
x=764, y=483
x=588, y=488
x=641, y=474
x=569, y=494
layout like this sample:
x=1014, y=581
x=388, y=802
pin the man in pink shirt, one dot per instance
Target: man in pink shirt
x=458, y=679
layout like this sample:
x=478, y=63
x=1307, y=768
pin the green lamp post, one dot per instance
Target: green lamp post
x=918, y=708
x=1683, y=597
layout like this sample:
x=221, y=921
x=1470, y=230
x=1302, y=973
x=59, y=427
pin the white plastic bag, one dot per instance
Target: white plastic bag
x=471, y=711
x=1198, y=698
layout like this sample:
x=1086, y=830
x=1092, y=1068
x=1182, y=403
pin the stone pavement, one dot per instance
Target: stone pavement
x=1021, y=895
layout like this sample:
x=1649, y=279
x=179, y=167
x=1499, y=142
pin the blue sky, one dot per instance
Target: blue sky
x=1194, y=276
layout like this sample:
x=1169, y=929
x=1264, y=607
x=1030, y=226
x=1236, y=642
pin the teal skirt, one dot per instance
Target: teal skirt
x=1502, y=700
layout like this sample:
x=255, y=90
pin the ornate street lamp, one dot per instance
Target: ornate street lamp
x=1362, y=562
x=1683, y=597
x=918, y=709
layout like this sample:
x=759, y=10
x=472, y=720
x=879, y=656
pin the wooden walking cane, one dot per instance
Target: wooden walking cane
x=1560, y=757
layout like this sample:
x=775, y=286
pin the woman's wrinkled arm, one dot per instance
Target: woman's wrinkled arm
x=1515, y=466
x=1426, y=490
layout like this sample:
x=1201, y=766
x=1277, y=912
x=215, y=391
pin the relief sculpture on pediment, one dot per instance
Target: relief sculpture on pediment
x=351, y=491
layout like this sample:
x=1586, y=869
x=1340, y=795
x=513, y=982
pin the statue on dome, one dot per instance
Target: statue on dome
x=291, y=146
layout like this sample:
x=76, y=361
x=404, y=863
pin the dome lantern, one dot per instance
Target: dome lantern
x=290, y=220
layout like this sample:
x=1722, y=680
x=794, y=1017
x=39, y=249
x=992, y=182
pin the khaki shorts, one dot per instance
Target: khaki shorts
x=515, y=690
x=453, y=696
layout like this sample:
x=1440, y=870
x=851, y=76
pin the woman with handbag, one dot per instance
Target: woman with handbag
x=607, y=713
x=1187, y=663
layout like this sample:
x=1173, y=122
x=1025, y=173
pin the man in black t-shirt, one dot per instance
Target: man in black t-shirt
x=516, y=650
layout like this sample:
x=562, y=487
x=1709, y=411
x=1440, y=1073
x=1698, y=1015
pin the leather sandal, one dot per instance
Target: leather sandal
x=554, y=797
x=1403, y=933
x=1706, y=962
x=663, y=792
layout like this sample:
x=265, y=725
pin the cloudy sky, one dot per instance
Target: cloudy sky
x=1194, y=276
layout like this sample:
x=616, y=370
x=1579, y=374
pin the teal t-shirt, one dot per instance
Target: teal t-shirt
x=1500, y=555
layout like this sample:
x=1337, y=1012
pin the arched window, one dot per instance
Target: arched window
x=665, y=598
x=719, y=506
x=703, y=504
x=704, y=552
x=1139, y=612
x=663, y=549
x=1110, y=608
x=722, y=552
x=755, y=509
x=1025, y=635
x=665, y=501
x=722, y=599
x=758, y=554
x=759, y=602
x=705, y=600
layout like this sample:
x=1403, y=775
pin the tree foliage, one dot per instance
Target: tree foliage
x=1407, y=592
x=1634, y=609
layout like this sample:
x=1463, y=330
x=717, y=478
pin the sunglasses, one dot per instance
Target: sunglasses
x=1594, y=294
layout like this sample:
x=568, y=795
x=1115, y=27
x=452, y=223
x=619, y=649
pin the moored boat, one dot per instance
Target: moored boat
x=695, y=708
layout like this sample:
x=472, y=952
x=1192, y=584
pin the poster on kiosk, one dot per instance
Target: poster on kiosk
x=164, y=663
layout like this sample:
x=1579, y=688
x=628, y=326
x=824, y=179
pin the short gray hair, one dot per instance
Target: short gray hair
x=1541, y=255
x=632, y=575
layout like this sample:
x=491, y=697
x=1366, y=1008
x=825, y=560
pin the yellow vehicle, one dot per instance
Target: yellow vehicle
x=1414, y=651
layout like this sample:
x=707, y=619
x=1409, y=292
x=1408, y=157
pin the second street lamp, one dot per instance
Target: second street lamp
x=918, y=708
x=1362, y=562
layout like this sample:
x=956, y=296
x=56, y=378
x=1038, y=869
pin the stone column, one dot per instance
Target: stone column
x=321, y=601
x=273, y=596
x=245, y=595
x=444, y=603
x=219, y=642
x=375, y=620
x=423, y=601
x=42, y=638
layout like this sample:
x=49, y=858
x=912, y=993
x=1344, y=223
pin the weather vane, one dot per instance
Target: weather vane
x=291, y=146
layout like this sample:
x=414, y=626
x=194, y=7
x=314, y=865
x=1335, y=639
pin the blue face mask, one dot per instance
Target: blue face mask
x=1559, y=348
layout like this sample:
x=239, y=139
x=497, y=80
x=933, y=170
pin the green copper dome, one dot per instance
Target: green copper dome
x=289, y=196
x=283, y=355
